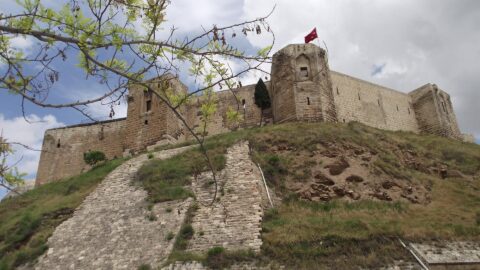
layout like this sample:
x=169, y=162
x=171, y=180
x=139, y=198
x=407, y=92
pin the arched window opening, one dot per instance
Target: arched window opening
x=58, y=143
x=303, y=72
x=303, y=65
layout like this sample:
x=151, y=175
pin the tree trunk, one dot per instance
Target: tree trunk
x=261, y=117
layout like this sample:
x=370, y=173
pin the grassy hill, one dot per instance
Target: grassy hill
x=417, y=188
x=345, y=193
x=26, y=221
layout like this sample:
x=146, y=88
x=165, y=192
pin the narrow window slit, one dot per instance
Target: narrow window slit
x=308, y=101
x=149, y=105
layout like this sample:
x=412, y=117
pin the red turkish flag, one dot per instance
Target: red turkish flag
x=313, y=35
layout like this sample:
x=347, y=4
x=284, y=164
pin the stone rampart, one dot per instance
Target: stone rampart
x=371, y=104
x=63, y=148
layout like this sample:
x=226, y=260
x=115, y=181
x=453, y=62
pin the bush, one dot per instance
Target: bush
x=150, y=155
x=216, y=258
x=93, y=157
x=144, y=267
x=170, y=236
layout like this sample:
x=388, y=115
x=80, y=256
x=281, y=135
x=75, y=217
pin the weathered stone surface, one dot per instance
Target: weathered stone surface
x=451, y=253
x=323, y=179
x=338, y=166
x=238, y=266
x=234, y=220
x=302, y=88
x=354, y=178
x=110, y=229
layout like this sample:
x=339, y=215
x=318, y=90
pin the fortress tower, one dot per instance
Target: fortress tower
x=301, y=87
x=434, y=112
x=149, y=120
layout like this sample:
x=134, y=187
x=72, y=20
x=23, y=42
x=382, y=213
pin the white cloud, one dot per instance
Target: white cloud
x=419, y=41
x=30, y=134
x=21, y=43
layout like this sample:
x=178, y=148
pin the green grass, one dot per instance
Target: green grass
x=26, y=221
x=338, y=234
x=302, y=235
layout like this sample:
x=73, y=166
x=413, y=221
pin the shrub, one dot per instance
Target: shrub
x=216, y=258
x=93, y=157
x=144, y=267
x=187, y=231
x=150, y=155
x=170, y=236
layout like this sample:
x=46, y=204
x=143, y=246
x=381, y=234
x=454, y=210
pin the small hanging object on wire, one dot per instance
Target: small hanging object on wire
x=215, y=34
x=112, y=112
x=266, y=78
x=244, y=30
x=234, y=34
x=223, y=39
x=259, y=30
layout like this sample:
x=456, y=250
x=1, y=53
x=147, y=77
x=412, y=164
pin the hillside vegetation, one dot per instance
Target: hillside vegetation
x=347, y=191
x=344, y=194
x=26, y=221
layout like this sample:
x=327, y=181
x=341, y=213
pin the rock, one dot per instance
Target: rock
x=325, y=197
x=443, y=171
x=353, y=195
x=358, y=151
x=389, y=184
x=382, y=196
x=338, y=166
x=354, y=178
x=366, y=158
x=323, y=179
x=413, y=199
x=455, y=174
x=329, y=154
x=339, y=191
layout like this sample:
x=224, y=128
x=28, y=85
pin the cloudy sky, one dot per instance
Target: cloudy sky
x=401, y=44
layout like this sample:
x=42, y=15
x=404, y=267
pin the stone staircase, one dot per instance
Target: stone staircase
x=234, y=220
x=110, y=230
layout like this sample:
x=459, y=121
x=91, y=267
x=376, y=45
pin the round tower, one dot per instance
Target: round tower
x=301, y=87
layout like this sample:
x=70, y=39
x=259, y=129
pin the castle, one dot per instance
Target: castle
x=302, y=88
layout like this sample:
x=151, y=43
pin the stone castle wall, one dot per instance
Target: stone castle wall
x=63, y=148
x=241, y=99
x=371, y=104
x=302, y=88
